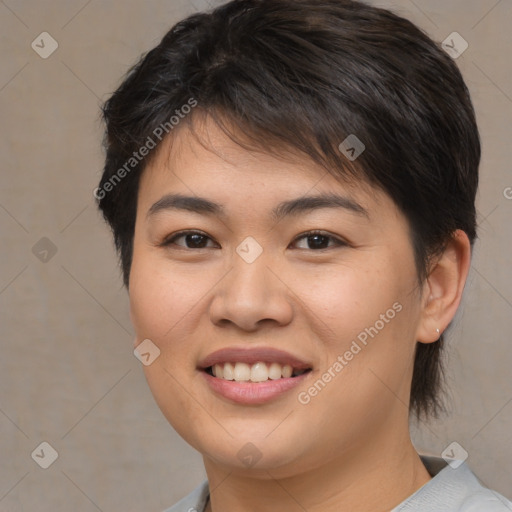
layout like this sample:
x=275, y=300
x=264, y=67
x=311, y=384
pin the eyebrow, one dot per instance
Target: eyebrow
x=291, y=207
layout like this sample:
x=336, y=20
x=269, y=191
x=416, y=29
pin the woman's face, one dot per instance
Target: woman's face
x=342, y=304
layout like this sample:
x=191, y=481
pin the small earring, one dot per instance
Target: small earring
x=437, y=330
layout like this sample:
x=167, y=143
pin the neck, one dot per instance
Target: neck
x=375, y=478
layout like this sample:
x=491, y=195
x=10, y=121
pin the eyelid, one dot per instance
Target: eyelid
x=338, y=242
x=168, y=240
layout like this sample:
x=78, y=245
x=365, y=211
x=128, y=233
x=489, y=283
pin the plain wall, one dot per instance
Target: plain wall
x=67, y=371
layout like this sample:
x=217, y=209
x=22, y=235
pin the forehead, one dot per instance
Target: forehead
x=218, y=179
x=204, y=160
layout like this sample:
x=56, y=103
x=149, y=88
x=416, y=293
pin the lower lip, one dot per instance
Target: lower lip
x=252, y=393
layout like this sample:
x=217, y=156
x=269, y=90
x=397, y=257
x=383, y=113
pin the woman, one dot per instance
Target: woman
x=291, y=188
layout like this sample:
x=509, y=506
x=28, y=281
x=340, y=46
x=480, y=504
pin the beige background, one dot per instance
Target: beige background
x=68, y=375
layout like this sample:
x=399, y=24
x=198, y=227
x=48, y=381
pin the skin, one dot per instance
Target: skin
x=349, y=448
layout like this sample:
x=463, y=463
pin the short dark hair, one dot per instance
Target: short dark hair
x=305, y=74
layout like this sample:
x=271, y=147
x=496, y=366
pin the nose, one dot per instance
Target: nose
x=252, y=295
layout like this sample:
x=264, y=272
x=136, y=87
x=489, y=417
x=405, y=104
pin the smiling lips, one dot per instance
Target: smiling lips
x=252, y=376
x=258, y=372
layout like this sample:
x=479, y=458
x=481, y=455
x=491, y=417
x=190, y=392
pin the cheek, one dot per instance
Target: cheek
x=162, y=309
x=350, y=298
x=159, y=299
x=370, y=312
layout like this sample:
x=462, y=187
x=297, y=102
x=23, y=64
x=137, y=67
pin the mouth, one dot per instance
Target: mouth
x=253, y=376
x=257, y=372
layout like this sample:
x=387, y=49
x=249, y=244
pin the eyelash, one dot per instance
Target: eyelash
x=171, y=239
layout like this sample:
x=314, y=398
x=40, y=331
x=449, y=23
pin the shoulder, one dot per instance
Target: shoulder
x=485, y=503
x=450, y=490
x=487, y=500
x=194, y=502
x=454, y=489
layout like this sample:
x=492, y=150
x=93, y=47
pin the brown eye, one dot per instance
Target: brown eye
x=318, y=240
x=193, y=240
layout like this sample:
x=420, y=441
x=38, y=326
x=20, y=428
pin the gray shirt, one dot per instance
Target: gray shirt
x=450, y=490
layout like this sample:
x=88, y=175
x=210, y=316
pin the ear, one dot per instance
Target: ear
x=442, y=290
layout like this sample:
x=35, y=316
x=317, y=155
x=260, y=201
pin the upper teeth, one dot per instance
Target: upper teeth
x=258, y=372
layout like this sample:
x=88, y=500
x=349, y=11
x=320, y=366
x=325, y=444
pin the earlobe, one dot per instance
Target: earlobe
x=442, y=291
